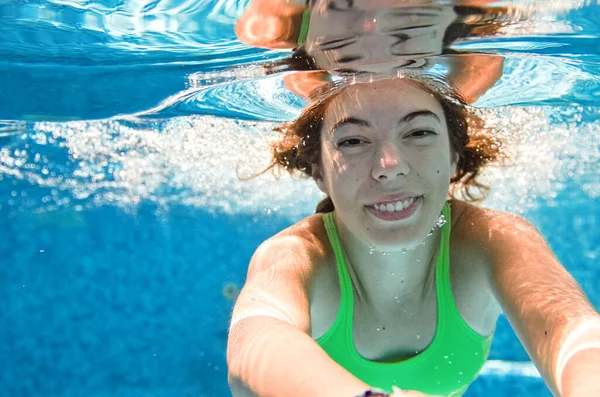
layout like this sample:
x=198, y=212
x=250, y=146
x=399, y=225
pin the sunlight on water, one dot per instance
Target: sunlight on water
x=178, y=21
x=547, y=149
x=160, y=58
x=550, y=59
x=191, y=162
x=503, y=368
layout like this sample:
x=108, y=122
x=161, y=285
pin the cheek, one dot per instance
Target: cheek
x=335, y=170
x=344, y=174
x=435, y=166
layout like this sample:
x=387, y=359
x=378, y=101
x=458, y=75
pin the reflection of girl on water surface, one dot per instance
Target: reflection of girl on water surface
x=377, y=36
x=394, y=282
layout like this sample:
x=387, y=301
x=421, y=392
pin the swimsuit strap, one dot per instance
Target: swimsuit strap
x=304, y=25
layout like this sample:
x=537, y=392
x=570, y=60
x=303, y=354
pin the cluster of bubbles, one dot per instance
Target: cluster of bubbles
x=204, y=162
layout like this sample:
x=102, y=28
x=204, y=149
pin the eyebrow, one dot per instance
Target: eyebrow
x=364, y=123
x=348, y=59
x=336, y=44
x=333, y=7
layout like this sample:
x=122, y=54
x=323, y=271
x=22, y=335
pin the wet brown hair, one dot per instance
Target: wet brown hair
x=298, y=147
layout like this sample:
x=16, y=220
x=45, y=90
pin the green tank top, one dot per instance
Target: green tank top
x=446, y=367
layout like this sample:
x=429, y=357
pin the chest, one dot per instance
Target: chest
x=399, y=329
x=402, y=332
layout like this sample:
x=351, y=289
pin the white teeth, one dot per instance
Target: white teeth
x=400, y=206
x=397, y=207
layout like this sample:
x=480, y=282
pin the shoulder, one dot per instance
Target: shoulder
x=487, y=249
x=279, y=275
x=487, y=226
x=509, y=251
x=470, y=274
x=490, y=232
x=302, y=246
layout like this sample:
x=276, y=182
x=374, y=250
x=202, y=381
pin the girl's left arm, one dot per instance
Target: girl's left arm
x=550, y=313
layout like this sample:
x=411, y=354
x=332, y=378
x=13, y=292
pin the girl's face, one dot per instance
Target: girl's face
x=386, y=162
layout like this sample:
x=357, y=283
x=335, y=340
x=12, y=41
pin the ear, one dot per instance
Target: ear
x=453, y=163
x=318, y=177
x=321, y=184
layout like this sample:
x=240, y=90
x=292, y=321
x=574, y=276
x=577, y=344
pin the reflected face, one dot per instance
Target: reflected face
x=380, y=35
x=386, y=162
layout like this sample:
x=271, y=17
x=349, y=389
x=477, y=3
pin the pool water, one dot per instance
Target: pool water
x=126, y=231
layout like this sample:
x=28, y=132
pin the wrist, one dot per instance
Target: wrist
x=374, y=393
x=578, y=354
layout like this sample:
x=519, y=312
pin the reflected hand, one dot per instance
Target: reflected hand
x=271, y=23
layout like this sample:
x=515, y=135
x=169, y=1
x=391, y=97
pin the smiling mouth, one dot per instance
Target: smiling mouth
x=395, y=210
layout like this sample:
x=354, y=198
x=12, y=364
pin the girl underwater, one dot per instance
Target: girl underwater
x=394, y=285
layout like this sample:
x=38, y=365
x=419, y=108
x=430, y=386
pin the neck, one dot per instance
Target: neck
x=379, y=277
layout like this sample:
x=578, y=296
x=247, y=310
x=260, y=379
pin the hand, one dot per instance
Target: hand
x=408, y=393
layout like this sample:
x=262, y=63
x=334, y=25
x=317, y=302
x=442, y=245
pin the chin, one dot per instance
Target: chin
x=401, y=240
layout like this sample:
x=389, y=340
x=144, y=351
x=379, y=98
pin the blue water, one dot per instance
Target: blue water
x=124, y=227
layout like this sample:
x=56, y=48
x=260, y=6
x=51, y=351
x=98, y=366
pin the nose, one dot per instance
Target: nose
x=389, y=163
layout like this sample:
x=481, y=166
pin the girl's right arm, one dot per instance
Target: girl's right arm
x=270, y=352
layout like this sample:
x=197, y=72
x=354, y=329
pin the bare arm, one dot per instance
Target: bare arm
x=549, y=312
x=269, y=357
x=270, y=351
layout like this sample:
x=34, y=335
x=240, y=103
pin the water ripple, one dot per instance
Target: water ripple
x=81, y=59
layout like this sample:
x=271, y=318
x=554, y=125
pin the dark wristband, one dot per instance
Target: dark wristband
x=373, y=393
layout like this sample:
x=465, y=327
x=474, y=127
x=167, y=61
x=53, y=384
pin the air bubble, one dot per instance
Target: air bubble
x=441, y=221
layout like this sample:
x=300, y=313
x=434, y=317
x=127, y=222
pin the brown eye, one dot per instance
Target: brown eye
x=421, y=133
x=350, y=142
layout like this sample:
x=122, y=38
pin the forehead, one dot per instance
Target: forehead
x=381, y=100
